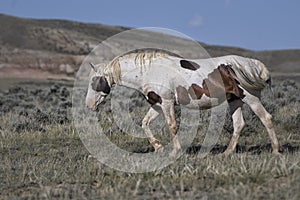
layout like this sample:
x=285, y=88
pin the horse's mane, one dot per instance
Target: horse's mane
x=140, y=56
x=152, y=51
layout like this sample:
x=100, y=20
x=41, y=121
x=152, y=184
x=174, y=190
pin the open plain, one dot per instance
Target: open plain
x=42, y=156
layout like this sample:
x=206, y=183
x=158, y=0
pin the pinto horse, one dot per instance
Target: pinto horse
x=166, y=79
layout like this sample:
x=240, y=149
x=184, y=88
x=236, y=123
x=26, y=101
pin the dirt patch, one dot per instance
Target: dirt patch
x=16, y=72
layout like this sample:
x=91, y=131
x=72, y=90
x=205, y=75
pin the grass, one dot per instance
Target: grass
x=44, y=157
x=57, y=165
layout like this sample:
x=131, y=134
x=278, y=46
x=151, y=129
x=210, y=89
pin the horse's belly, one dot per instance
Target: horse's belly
x=203, y=103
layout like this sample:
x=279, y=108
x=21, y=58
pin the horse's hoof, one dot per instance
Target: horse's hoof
x=175, y=152
x=159, y=148
x=276, y=153
x=226, y=154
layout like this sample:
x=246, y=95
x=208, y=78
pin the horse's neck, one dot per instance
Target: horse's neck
x=131, y=75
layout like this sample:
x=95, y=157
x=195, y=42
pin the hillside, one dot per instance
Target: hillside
x=52, y=147
x=57, y=47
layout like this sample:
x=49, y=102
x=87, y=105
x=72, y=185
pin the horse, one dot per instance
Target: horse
x=166, y=79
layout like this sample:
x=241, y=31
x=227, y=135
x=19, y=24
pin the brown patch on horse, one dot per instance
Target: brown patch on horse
x=220, y=82
x=213, y=85
x=231, y=85
x=195, y=91
x=153, y=98
x=100, y=84
x=182, y=95
x=189, y=65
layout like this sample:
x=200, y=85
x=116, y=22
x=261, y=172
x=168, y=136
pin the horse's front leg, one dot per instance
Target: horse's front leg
x=265, y=117
x=150, y=116
x=169, y=112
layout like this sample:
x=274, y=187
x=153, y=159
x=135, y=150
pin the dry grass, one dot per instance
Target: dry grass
x=42, y=156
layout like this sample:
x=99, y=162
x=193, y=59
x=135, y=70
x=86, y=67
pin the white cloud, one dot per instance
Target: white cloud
x=197, y=21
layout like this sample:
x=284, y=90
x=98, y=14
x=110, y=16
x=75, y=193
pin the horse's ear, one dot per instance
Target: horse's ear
x=93, y=67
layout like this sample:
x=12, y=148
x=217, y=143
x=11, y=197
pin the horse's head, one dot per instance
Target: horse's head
x=98, y=89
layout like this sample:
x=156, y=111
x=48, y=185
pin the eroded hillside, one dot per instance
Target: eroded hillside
x=56, y=48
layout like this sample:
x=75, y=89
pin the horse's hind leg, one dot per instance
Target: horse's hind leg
x=150, y=116
x=264, y=116
x=238, y=124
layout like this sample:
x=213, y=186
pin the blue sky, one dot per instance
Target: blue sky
x=255, y=24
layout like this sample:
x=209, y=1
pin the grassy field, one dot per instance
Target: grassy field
x=42, y=156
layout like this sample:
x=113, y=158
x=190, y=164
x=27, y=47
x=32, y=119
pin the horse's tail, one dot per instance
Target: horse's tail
x=251, y=74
